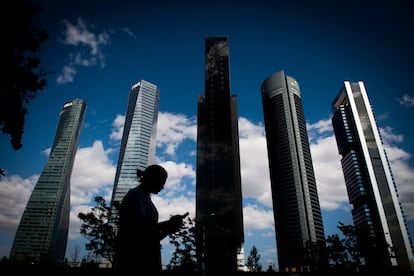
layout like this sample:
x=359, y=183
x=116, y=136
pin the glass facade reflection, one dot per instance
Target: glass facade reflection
x=138, y=139
x=377, y=213
x=43, y=230
x=219, y=214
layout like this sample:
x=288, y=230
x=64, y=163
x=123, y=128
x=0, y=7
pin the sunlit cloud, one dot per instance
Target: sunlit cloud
x=255, y=217
x=402, y=171
x=328, y=174
x=67, y=75
x=80, y=36
x=174, y=129
x=322, y=126
x=254, y=163
x=14, y=193
x=117, y=128
x=406, y=100
x=94, y=173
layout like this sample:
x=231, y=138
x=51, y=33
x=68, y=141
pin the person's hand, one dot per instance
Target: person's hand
x=176, y=222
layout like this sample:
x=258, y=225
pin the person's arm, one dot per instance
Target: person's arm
x=171, y=226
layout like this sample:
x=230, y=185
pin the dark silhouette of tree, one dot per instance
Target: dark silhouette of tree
x=2, y=172
x=253, y=264
x=351, y=244
x=98, y=231
x=344, y=254
x=22, y=75
x=184, y=256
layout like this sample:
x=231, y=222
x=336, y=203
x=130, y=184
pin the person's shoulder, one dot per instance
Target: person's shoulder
x=130, y=198
x=135, y=192
x=137, y=189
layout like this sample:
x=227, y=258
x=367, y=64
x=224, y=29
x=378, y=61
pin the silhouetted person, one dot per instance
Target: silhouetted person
x=139, y=232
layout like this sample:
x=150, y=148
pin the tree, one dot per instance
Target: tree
x=351, y=244
x=184, y=256
x=253, y=263
x=23, y=75
x=2, y=172
x=344, y=254
x=97, y=229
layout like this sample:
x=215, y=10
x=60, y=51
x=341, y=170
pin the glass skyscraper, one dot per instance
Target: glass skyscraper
x=298, y=220
x=138, y=142
x=219, y=213
x=43, y=230
x=377, y=212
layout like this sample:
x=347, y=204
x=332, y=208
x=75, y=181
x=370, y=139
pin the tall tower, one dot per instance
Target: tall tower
x=43, y=230
x=297, y=214
x=219, y=213
x=138, y=143
x=377, y=213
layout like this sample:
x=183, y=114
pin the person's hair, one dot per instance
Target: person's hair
x=151, y=171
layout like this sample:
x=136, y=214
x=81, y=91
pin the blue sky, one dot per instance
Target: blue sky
x=98, y=49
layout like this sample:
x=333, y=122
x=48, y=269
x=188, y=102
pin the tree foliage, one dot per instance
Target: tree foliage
x=184, y=256
x=2, y=172
x=98, y=231
x=23, y=75
x=253, y=261
x=344, y=254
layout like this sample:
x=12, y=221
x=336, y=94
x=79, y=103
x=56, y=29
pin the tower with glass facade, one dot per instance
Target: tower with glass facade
x=219, y=213
x=43, y=230
x=297, y=215
x=377, y=213
x=138, y=142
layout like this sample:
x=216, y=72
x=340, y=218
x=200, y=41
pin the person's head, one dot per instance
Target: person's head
x=153, y=178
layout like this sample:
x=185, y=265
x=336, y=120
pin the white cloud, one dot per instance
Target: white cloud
x=255, y=218
x=173, y=129
x=67, y=75
x=79, y=35
x=402, y=171
x=406, y=100
x=177, y=172
x=322, y=126
x=94, y=173
x=168, y=206
x=328, y=174
x=117, y=128
x=14, y=193
x=389, y=137
x=327, y=166
x=254, y=163
x=326, y=163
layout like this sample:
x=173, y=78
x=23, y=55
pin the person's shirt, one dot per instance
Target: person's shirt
x=138, y=232
x=137, y=205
